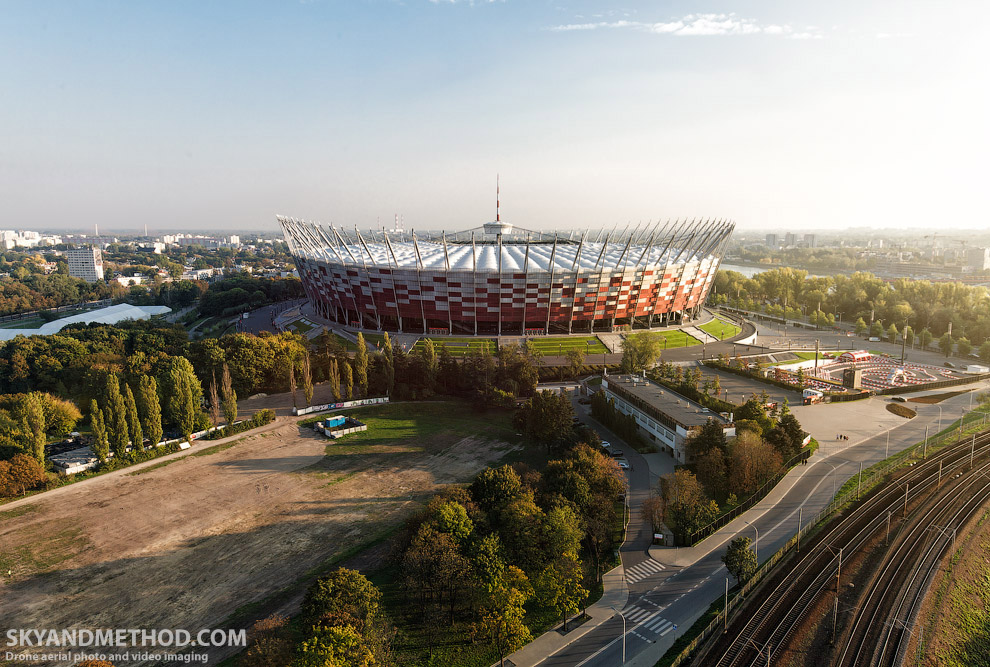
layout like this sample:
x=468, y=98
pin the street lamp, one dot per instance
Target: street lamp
x=834, y=468
x=623, y=634
x=756, y=545
x=939, y=418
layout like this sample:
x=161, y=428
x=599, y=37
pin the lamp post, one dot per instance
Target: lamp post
x=623, y=634
x=756, y=545
x=939, y=418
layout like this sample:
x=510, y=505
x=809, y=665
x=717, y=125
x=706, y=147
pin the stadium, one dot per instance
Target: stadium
x=499, y=280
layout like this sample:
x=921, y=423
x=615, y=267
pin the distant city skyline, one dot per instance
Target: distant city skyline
x=790, y=116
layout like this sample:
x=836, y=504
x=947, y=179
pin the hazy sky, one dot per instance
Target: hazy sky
x=209, y=115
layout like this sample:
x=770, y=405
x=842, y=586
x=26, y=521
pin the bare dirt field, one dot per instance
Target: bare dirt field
x=184, y=544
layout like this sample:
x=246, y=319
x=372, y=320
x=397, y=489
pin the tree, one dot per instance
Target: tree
x=347, y=379
x=908, y=334
x=334, y=380
x=150, y=409
x=559, y=587
x=713, y=472
x=337, y=645
x=502, y=620
x=546, y=418
x=133, y=421
x=575, y=360
x=214, y=400
x=876, y=329
x=963, y=347
x=307, y=380
x=494, y=489
x=181, y=395
x=709, y=435
x=436, y=572
x=115, y=416
x=20, y=474
x=740, y=560
x=892, y=332
x=860, y=327
x=945, y=344
x=228, y=397
x=686, y=506
x=752, y=462
x=389, y=366
x=342, y=591
x=270, y=643
x=361, y=364
x=985, y=352
x=925, y=338
x=292, y=379
x=34, y=415
x=451, y=518
x=101, y=445
x=641, y=351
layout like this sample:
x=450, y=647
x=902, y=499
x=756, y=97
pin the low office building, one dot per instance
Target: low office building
x=666, y=417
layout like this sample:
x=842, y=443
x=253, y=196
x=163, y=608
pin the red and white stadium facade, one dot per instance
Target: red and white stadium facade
x=495, y=280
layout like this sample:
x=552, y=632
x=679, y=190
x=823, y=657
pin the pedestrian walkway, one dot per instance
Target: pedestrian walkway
x=702, y=336
x=645, y=569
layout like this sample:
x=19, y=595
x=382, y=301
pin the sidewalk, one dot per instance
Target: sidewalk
x=616, y=594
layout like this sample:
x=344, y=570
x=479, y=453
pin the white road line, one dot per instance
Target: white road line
x=666, y=631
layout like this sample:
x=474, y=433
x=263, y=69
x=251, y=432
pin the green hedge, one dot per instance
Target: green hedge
x=260, y=418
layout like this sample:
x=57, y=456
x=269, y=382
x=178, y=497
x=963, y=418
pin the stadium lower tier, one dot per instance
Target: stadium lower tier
x=483, y=303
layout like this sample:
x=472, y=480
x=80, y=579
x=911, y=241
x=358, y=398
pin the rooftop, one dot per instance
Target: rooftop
x=682, y=410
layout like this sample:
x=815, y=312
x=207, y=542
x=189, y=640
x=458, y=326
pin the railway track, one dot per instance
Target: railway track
x=762, y=628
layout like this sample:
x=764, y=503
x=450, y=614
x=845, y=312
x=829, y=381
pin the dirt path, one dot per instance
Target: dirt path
x=184, y=545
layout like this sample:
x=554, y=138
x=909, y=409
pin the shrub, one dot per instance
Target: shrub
x=260, y=418
x=20, y=474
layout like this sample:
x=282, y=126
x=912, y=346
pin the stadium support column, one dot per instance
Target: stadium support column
x=553, y=255
x=474, y=283
x=498, y=263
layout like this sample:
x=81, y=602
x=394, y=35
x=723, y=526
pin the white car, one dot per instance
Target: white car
x=606, y=444
x=623, y=464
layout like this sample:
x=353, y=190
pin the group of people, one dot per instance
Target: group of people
x=841, y=437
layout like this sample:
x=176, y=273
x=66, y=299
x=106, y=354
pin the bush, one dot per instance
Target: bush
x=260, y=418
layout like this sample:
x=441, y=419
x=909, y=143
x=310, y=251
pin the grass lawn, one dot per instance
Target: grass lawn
x=801, y=356
x=302, y=326
x=559, y=345
x=459, y=347
x=677, y=339
x=397, y=424
x=720, y=328
x=348, y=345
x=32, y=323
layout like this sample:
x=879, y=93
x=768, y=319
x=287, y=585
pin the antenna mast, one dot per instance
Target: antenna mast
x=498, y=215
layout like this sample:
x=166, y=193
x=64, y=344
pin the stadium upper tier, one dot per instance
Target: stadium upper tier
x=495, y=279
x=484, y=253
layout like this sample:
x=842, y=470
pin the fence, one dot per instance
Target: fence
x=337, y=406
x=860, y=483
x=935, y=385
x=759, y=495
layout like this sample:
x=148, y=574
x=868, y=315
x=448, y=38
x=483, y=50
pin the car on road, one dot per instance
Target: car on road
x=616, y=453
x=624, y=464
x=606, y=444
x=899, y=399
x=949, y=364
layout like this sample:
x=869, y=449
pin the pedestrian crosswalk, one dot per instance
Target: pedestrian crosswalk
x=643, y=570
x=649, y=620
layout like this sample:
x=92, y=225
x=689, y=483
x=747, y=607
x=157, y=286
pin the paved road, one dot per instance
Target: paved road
x=661, y=599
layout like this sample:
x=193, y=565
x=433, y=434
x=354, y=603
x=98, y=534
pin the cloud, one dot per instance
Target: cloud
x=698, y=25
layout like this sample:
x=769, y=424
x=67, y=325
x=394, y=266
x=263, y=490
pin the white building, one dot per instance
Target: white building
x=666, y=417
x=85, y=263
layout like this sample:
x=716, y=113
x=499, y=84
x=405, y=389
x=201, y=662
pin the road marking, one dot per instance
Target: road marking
x=643, y=570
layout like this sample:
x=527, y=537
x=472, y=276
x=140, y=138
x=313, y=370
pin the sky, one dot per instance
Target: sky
x=210, y=115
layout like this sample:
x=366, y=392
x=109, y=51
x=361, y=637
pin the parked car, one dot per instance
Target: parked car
x=899, y=399
x=606, y=444
x=616, y=453
x=949, y=364
x=624, y=464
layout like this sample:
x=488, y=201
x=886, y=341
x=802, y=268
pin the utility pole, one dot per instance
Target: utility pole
x=924, y=454
x=800, y=517
x=835, y=617
x=725, y=628
x=859, y=482
x=972, y=450
x=886, y=539
x=939, y=486
x=906, y=487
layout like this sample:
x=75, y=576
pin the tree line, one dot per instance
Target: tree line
x=926, y=309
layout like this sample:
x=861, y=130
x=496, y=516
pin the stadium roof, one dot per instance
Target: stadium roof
x=108, y=315
x=679, y=243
